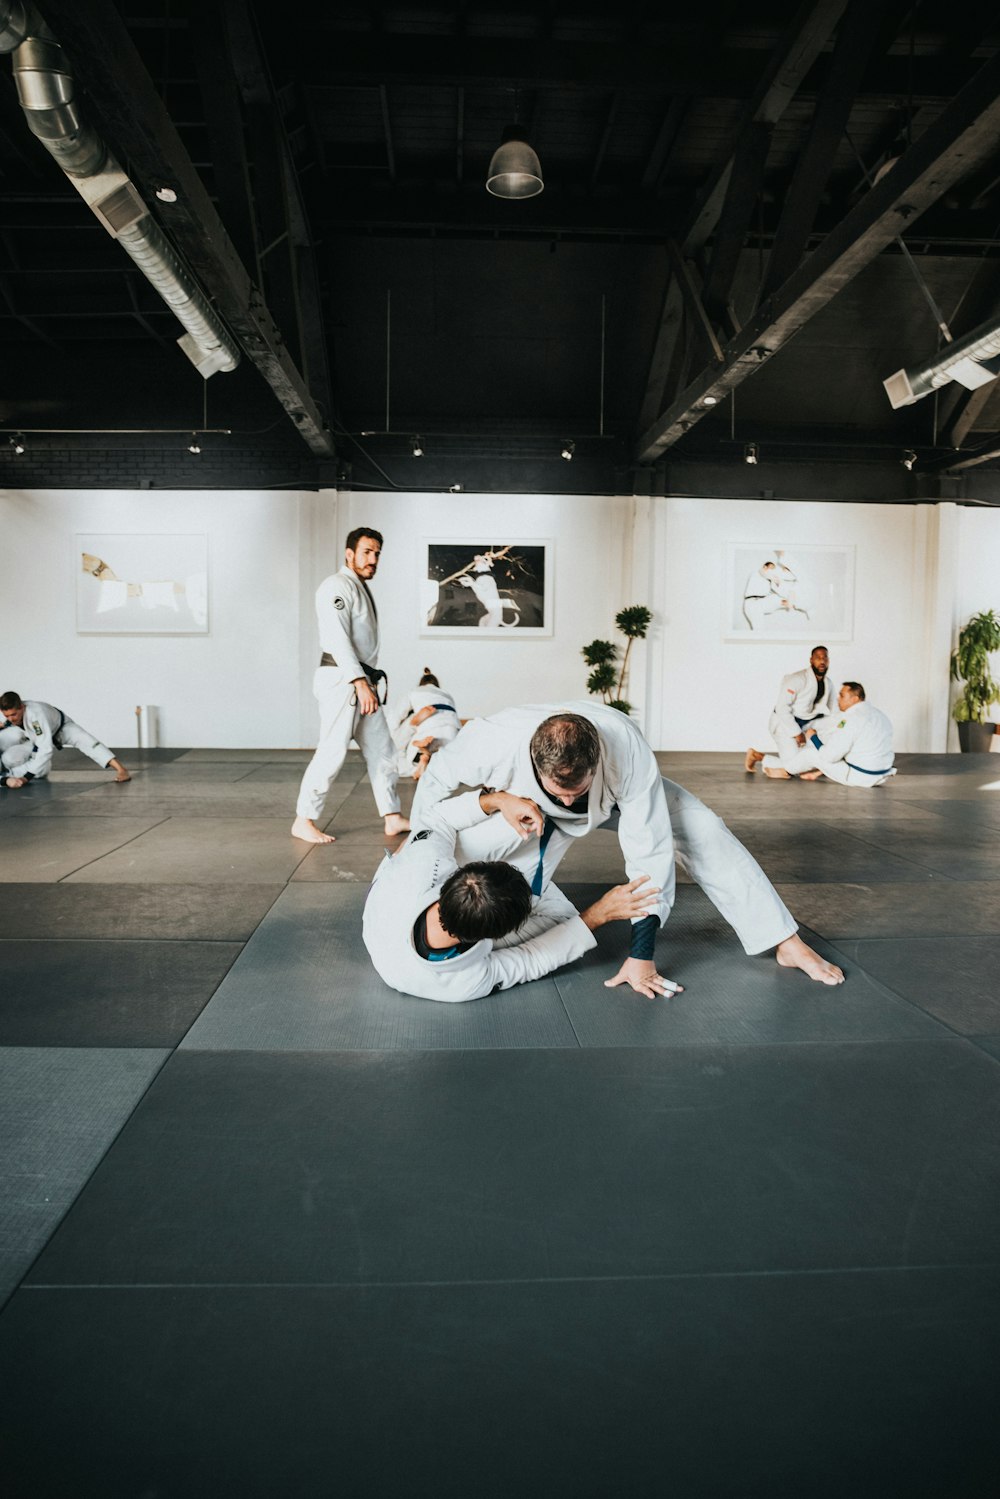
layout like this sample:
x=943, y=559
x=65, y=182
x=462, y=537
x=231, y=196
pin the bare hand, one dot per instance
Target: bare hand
x=524, y=815
x=622, y=903
x=800, y=739
x=367, y=700
x=425, y=712
x=641, y=975
x=15, y=781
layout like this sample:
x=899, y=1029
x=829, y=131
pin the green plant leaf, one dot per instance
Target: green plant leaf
x=634, y=621
x=621, y=705
x=599, y=651
x=602, y=678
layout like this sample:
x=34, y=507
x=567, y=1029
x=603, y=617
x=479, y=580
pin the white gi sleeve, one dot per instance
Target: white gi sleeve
x=784, y=707
x=469, y=760
x=644, y=831
x=837, y=743
x=336, y=603
x=540, y=955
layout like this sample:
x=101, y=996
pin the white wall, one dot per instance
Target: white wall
x=921, y=570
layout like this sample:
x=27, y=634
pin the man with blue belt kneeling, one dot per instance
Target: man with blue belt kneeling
x=854, y=747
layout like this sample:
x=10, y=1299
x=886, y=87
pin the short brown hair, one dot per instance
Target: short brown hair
x=857, y=689
x=10, y=700
x=566, y=748
x=353, y=537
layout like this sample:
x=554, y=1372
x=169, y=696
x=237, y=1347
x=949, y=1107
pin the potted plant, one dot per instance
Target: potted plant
x=970, y=664
x=607, y=677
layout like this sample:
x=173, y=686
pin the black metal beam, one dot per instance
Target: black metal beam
x=964, y=136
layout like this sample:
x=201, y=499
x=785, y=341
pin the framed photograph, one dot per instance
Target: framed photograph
x=141, y=585
x=487, y=587
x=789, y=592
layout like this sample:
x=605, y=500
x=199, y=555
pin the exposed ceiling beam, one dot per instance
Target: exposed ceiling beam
x=133, y=115
x=960, y=141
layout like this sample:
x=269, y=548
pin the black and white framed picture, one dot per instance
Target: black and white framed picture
x=141, y=585
x=487, y=587
x=789, y=592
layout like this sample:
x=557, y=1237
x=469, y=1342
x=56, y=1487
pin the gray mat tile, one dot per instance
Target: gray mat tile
x=59, y=1112
x=229, y=914
x=990, y=1044
x=38, y=795
x=352, y=858
x=877, y=852
x=956, y=851
x=729, y=999
x=202, y=851
x=974, y=814
x=873, y=1385
x=40, y=849
x=244, y=756
x=944, y=908
x=956, y=979
x=143, y=994
x=305, y=983
x=202, y=800
x=350, y=1167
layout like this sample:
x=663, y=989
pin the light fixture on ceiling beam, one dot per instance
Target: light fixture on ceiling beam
x=17, y=443
x=568, y=449
x=515, y=171
x=750, y=453
x=416, y=446
x=972, y=361
x=194, y=446
x=908, y=459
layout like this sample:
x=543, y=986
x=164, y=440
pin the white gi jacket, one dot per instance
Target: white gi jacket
x=410, y=881
x=495, y=752
x=41, y=723
x=348, y=624
x=795, y=701
x=860, y=738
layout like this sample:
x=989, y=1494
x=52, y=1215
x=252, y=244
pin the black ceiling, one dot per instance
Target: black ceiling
x=717, y=220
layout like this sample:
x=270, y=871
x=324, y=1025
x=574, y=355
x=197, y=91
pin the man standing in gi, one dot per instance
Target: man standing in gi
x=345, y=685
x=572, y=769
x=803, y=697
x=31, y=732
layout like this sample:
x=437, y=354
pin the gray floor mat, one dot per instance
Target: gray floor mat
x=103, y=994
x=202, y=851
x=230, y=913
x=956, y=979
x=305, y=983
x=59, y=1111
x=943, y=908
x=40, y=849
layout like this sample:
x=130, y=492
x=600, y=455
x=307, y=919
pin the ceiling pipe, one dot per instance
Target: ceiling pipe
x=45, y=87
x=971, y=361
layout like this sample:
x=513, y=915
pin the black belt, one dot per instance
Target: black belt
x=374, y=674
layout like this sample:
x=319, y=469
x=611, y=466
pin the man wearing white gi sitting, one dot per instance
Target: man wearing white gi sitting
x=31, y=732
x=803, y=697
x=570, y=770
x=854, y=748
x=345, y=687
x=441, y=932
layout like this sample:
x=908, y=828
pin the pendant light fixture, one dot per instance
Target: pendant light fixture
x=515, y=171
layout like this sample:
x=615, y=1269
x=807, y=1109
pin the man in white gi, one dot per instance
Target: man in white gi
x=854, y=748
x=345, y=685
x=438, y=931
x=30, y=734
x=428, y=720
x=804, y=697
x=584, y=766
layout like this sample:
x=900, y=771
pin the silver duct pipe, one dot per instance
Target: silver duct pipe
x=970, y=361
x=45, y=87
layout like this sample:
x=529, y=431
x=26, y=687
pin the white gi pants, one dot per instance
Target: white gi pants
x=70, y=736
x=705, y=849
x=838, y=770
x=339, y=723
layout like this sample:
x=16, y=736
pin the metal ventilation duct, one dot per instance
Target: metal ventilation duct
x=45, y=87
x=971, y=361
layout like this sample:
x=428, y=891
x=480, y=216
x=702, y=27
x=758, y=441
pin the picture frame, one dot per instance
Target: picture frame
x=791, y=591
x=141, y=584
x=508, y=592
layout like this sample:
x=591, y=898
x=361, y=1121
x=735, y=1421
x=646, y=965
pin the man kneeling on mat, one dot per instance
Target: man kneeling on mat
x=438, y=931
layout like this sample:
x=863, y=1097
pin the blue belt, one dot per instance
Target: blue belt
x=865, y=772
x=547, y=831
x=803, y=721
x=443, y=707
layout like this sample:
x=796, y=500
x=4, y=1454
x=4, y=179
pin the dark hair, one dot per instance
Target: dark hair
x=484, y=900
x=857, y=689
x=565, y=748
x=353, y=537
x=428, y=679
x=10, y=700
x=817, y=648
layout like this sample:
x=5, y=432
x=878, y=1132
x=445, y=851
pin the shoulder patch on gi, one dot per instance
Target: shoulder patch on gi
x=36, y=727
x=338, y=603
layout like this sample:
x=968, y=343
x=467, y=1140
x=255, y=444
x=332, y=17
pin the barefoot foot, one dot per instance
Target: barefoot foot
x=121, y=774
x=306, y=829
x=776, y=773
x=810, y=775
x=396, y=823
x=793, y=953
x=752, y=759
